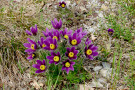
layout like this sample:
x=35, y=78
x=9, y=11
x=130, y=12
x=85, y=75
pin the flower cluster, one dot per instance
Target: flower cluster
x=50, y=42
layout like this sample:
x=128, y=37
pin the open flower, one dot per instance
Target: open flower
x=66, y=33
x=55, y=35
x=32, y=46
x=31, y=56
x=68, y=65
x=41, y=42
x=110, y=31
x=80, y=32
x=91, y=51
x=33, y=30
x=56, y=24
x=41, y=66
x=62, y=4
x=88, y=42
x=54, y=58
x=51, y=44
x=74, y=40
x=71, y=53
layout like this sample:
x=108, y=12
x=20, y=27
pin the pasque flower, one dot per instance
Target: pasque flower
x=66, y=33
x=56, y=24
x=62, y=4
x=80, y=32
x=75, y=39
x=71, y=53
x=54, y=58
x=51, y=44
x=32, y=46
x=55, y=35
x=33, y=30
x=90, y=51
x=87, y=42
x=41, y=66
x=31, y=56
x=42, y=43
x=110, y=31
x=68, y=65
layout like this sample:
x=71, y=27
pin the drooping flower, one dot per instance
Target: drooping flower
x=54, y=58
x=41, y=42
x=68, y=65
x=56, y=24
x=74, y=40
x=80, y=32
x=31, y=56
x=62, y=4
x=41, y=66
x=55, y=35
x=88, y=42
x=33, y=30
x=90, y=51
x=32, y=46
x=51, y=44
x=66, y=33
x=71, y=53
x=110, y=31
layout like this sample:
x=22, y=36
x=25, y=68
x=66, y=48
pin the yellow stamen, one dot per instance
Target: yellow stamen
x=42, y=67
x=89, y=52
x=55, y=37
x=110, y=32
x=67, y=64
x=71, y=54
x=33, y=55
x=63, y=5
x=43, y=45
x=32, y=46
x=52, y=46
x=66, y=36
x=74, y=42
x=56, y=58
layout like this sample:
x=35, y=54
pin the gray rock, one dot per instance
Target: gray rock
x=106, y=65
x=97, y=68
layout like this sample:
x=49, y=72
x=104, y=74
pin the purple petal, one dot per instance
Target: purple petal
x=36, y=66
x=63, y=68
x=39, y=62
x=28, y=32
x=39, y=71
x=67, y=70
x=73, y=49
x=31, y=41
x=49, y=58
x=94, y=48
x=50, y=62
x=94, y=53
x=28, y=45
x=30, y=57
x=29, y=50
x=71, y=68
x=90, y=57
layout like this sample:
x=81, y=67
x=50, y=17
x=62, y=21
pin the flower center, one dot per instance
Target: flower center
x=33, y=55
x=89, y=52
x=42, y=67
x=56, y=58
x=66, y=36
x=110, y=32
x=55, y=37
x=74, y=42
x=71, y=54
x=32, y=46
x=43, y=45
x=63, y=5
x=67, y=64
x=52, y=46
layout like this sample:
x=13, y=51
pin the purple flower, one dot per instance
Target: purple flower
x=71, y=53
x=33, y=30
x=68, y=65
x=66, y=33
x=75, y=39
x=54, y=58
x=91, y=51
x=31, y=56
x=41, y=43
x=88, y=42
x=51, y=44
x=80, y=32
x=110, y=31
x=55, y=35
x=46, y=33
x=62, y=4
x=56, y=24
x=41, y=66
x=32, y=46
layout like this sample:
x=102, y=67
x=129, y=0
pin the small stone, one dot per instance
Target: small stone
x=91, y=30
x=96, y=84
x=106, y=65
x=97, y=68
x=100, y=15
x=105, y=73
x=102, y=80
